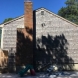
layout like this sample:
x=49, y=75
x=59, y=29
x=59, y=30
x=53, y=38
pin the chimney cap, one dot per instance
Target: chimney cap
x=27, y=0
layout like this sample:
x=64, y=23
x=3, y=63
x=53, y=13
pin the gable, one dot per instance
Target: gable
x=52, y=21
x=17, y=22
x=50, y=15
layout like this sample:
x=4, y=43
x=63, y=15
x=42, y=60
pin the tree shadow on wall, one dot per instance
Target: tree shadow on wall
x=24, y=47
x=53, y=50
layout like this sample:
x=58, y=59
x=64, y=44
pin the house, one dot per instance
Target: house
x=40, y=37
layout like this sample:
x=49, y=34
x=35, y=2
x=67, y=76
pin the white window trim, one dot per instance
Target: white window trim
x=2, y=38
x=2, y=26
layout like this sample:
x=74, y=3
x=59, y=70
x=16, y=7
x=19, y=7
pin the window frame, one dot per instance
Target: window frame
x=42, y=12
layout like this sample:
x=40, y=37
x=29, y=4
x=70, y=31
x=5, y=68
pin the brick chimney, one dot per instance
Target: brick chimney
x=28, y=16
x=28, y=24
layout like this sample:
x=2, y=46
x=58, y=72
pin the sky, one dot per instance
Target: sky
x=15, y=8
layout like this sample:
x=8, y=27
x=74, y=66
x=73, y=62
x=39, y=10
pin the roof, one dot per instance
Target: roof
x=13, y=20
x=37, y=11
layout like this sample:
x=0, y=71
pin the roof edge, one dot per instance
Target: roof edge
x=13, y=20
x=56, y=16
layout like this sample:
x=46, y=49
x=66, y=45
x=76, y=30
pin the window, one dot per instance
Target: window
x=0, y=36
x=43, y=24
x=42, y=12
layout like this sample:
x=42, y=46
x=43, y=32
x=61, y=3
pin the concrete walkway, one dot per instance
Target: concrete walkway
x=43, y=75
